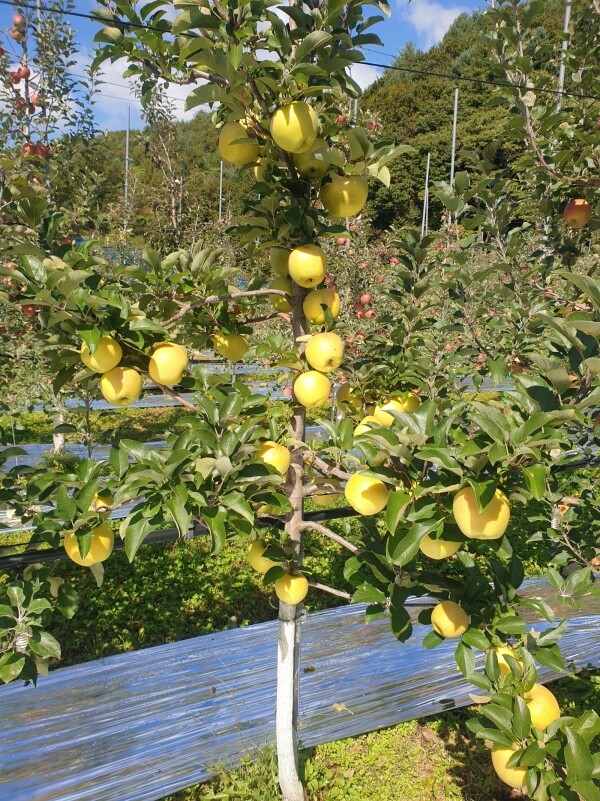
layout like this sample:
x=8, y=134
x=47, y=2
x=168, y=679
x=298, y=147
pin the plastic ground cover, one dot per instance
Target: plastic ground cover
x=138, y=726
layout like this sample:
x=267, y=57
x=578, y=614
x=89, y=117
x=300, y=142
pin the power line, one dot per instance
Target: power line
x=162, y=31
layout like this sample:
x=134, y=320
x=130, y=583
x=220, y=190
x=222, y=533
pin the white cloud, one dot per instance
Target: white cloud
x=430, y=19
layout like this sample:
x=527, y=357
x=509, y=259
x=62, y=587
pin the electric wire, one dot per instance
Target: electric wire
x=432, y=73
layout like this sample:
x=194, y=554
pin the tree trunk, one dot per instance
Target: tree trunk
x=290, y=617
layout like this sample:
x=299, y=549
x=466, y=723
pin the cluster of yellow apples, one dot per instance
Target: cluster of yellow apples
x=543, y=710
x=291, y=588
x=122, y=385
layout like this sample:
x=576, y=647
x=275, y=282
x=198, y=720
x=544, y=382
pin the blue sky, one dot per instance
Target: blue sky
x=423, y=22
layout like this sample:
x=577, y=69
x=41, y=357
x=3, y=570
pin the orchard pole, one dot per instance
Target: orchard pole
x=564, y=48
x=453, y=148
x=425, y=215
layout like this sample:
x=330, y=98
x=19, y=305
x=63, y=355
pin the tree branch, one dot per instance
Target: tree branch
x=326, y=469
x=331, y=590
x=172, y=394
x=327, y=532
x=211, y=300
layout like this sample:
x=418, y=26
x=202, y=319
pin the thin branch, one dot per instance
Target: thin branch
x=327, y=532
x=211, y=300
x=331, y=590
x=327, y=469
x=172, y=394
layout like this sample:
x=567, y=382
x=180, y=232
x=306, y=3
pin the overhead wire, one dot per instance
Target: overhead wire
x=410, y=70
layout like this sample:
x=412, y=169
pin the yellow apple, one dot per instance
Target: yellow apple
x=312, y=389
x=168, y=363
x=314, y=301
x=107, y=355
x=490, y=524
x=259, y=170
x=577, y=213
x=103, y=540
x=255, y=556
x=292, y=588
x=543, y=706
x=278, y=302
x=514, y=777
x=365, y=494
x=307, y=265
x=308, y=166
x=344, y=195
x=294, y=127
x=438, y=549
x=230, y=346
x=279, y=261
x=237, y=152
x=405, y=402
x=366, y=425
x=277, y=456
x=347, y=398
x=325, y=351
x=325, y=495
x=449, y=619
x=121, y=386
x=502, y=651
x=102, y=503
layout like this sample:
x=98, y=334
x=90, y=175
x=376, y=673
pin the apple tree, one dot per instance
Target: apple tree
x=446, y=467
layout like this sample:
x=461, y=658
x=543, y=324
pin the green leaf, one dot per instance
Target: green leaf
x=521, y=719
x=551, y=658
x=432, y=640
x=476, y=639
x=499, y=716
x=588, y=790
x=11, y=665
x=535, y=475
x=311, y=42
x=368, y=594
x=43, y=644
x=181, y=515
x=552, y=636
x=578, y=758
x=396, y=508
x=465, y=659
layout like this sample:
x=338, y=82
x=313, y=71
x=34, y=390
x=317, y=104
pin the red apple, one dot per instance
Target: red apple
x=370, y=313
x=14, y=78
x=29, y=309
x=379, y=279
x=577, y=213
x=395, y=260
x=363, y=265
x=287, y=391
x=17, y=35
x=42, y=151
x=341, y=240
x=366, y=297
x=448, y=347
x=359, y=306
x=10, y=265
x=24, y=72
x=35, y=100
x=29, y=149
x=18, y=21
x=372, y=125
x=20, y=104
x=341, y=119
x=333, y=287
x=2, y=51
x=360, y=315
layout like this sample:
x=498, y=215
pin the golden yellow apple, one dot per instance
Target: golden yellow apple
x=438, y=549
x=307, y=265
x=235, y=146
x=402, y=402
x=348, y=399
x=324, y=352
x=103, y=540
x=107, y=355
x=259, y=170
x=292, y=588
x=168, y=363
x=514, y=777
x=294, y=126
x=255, y=556
x=230, y=346
x=344, y=195
x=308, y=166
x=502, y=651
x=325, y=495
x=318, y=298
x=279, y=302
x=279, y=261
x=365, y=494
x=312, y=389
x=543, y=706
x=449, y=619
x=121, y=386
x=275, y=455
x=490, y=524
x=102, y=503
x=366, y=425
x=577, y=213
